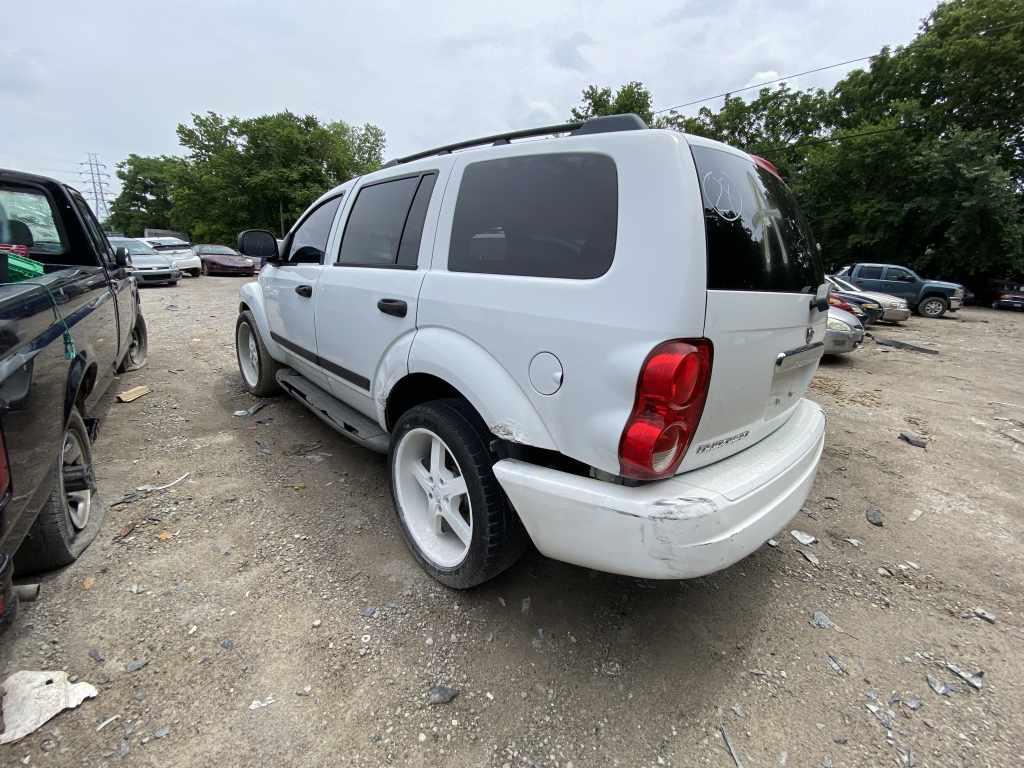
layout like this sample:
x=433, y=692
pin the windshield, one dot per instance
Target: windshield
x=842, y=285
x=27, y=222
x=135, y=247
x=757, y=238
x=217, y=250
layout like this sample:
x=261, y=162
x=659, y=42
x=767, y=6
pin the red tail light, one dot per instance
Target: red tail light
x=670, y=397
x=835, y=301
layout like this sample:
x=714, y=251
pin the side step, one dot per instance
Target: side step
x=336, y=414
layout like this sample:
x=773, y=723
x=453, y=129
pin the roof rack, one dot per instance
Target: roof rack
x=607, y=124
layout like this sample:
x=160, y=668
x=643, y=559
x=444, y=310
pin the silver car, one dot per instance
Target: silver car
x=148, y=267
x=843, y=333
x=894, y=309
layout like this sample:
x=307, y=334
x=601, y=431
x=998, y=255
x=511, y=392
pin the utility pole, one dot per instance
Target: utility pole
x=95, y=175
x=280, y=210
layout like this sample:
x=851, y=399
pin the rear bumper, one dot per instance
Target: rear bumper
x=842, y=342
x=895, y=315
x=687, y=526
x=187, y=263
x=1008, y=304
x=955, y=302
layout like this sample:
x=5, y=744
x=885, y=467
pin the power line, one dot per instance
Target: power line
x=982, y=33
x=96, y=176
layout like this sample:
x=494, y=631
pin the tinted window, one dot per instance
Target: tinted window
x=310, y=240
x=870, y=273
x=757, y=239
x=374, y=227
x=99, y=240
x=895, y=273
x=409, y=250
x=544, y=215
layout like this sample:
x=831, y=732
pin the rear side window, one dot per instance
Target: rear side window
x=897, y=273
x=757, y=238
x=27, y=221
x=552, y=215
x=870, y=273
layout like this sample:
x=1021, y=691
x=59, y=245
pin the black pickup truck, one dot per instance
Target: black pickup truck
x=65, y=331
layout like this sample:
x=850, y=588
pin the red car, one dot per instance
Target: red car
x=222, y=260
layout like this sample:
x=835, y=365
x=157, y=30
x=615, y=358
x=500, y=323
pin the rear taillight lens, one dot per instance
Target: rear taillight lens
x=670, y=396
x=835, y=301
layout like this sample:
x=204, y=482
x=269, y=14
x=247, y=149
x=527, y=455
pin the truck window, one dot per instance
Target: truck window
x=28, y=222
x=551, y=215
x=92, y=227
x=757, y=238
x=898, y=273
x=309, y=240
x=374, y=227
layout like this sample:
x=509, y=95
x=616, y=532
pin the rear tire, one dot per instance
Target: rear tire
x=440, y=470
x=933, y=307
x=138, y=351
x=255, y=365
x=196, y=272
x=69, y=519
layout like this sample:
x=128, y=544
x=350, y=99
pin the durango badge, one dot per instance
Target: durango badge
x=724, y=441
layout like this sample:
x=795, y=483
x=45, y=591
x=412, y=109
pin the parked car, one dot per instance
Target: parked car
x=180, y=252
x=930, y=298
x=844, y=333
x=893, y=308
x=66, y=328
x=222, y=260
x=1010, y=296
x=868, y=310
x=147, y=265
x=649, y=427
x=851, y=307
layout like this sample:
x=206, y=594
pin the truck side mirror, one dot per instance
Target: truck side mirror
x=121, y=257
x=258, y=244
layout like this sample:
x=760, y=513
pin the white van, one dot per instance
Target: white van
x=598, y=340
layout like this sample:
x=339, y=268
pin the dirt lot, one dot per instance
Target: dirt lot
x=276, y=571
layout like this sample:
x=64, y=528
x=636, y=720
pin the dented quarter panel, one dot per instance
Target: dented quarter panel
x=394, y=366
x=483, y=381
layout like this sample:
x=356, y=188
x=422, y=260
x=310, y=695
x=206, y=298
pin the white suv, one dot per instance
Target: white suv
x=599, y=342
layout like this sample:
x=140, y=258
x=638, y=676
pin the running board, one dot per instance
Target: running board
x=333, y=412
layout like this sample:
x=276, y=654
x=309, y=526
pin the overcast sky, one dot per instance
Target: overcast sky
x=116, y=77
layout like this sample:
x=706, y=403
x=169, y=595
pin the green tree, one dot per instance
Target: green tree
x=599, y=102
x=145, y=197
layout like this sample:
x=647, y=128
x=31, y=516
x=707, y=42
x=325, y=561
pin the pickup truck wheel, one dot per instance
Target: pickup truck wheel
x=70, y=517
x=138, y=348
x=453, y=514
x=933, y=306
x=258, y=368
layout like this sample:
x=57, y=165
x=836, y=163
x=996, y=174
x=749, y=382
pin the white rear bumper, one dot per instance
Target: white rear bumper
x=687, y=526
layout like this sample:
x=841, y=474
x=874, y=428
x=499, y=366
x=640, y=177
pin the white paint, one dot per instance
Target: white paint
x=32, y=698
x=683, y=527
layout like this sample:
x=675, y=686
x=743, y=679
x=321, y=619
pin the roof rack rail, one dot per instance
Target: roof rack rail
x=607, y=124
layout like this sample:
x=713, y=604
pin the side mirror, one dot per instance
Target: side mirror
x=258, y=244
x=121, y=257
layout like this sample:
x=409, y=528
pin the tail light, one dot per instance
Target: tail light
x=670, y=396
x=835, y=301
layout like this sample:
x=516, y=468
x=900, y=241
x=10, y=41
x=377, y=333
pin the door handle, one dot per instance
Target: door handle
x=395, y=307
x=304, y=290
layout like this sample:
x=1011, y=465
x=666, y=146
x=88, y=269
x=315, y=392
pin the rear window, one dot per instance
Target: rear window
x=552, y=215
x=27, y=220
x=870, y=273
x=757, y=238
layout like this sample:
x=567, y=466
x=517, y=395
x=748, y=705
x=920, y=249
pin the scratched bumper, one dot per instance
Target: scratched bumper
x=687, y=526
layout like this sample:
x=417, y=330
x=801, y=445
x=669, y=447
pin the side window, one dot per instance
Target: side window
x=552, y=215
x=309, y=241
x=870, y=273
x=897, y=273
x=96, y=236
x=28, y=224
x=409, y=250
x=373, y=232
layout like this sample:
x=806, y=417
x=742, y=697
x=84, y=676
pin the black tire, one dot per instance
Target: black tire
x=498, y=538
x=196, y=272
x=933, y=307
x=266, y=369
x=138, y=352
x=54, y=540
x=173, y=283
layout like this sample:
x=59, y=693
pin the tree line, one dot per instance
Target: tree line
x=917, y=159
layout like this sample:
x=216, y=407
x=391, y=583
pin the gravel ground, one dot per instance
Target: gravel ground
x=274, y=575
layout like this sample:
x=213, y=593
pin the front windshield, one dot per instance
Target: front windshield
x=843, y=285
